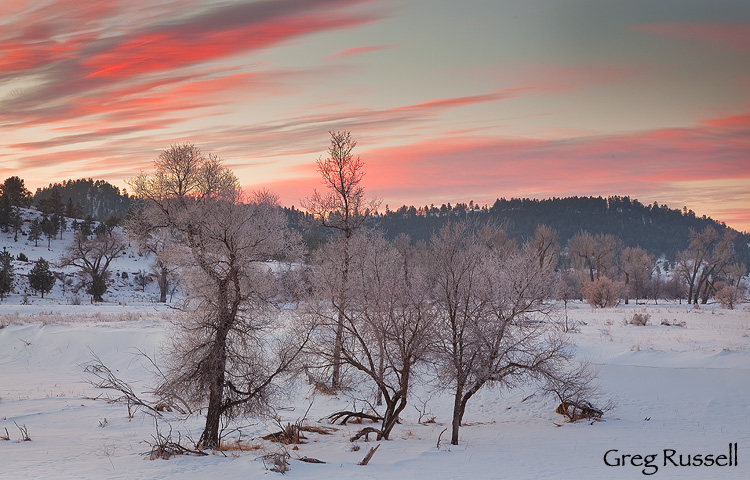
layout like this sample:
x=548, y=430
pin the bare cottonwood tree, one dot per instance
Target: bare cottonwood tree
x=222, y=357
x=342, y=206
x=486, y=300
x=93, y=256
x=545, y=245
x=157, y=242
x=637, y=267
x=388, y=326
x=597, y=253
x=708, y=253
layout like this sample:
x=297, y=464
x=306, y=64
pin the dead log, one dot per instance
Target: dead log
x=310, y=460
x=369, y=455
x=366, y=432
x=346, y=415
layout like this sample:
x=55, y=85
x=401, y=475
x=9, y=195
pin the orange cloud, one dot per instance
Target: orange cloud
x=661, y=165
x=126, y=50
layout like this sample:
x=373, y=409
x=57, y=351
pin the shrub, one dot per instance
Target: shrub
x=602, y=293
x=640, y=319
x=729, y=296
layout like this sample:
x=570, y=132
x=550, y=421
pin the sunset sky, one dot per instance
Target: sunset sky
x=449, y=100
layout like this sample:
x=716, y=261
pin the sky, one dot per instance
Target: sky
x=449, y=101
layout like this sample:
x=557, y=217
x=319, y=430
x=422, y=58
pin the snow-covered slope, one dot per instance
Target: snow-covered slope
x=123, y=291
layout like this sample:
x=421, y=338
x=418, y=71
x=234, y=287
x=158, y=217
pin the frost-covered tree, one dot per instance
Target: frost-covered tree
x=41, y=278
x=340, y=207
x=157, y=242
x=388, y=325
x=225, y=357
x=596, y=253
x=637, y=267
x=487, y=300
x=706, y=257
x=93, y=256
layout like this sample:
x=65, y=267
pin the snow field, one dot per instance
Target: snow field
x=682, y=388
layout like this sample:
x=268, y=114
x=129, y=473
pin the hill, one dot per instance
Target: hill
x=658, y=229
x=84, y=197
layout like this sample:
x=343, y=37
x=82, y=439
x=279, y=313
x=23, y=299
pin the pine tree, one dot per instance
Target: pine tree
x=35, y=232
x=41, y=278
x=6, y=273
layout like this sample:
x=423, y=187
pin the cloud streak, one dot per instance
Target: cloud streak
x=668, y=165
x=732, y=36
x=72, y=70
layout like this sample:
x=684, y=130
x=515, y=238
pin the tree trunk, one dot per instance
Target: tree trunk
x=218, y=361
x=457, y=416
x=163, y=284
x=338, y=344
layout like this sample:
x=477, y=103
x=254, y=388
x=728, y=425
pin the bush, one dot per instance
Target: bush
x=602, y=293
x=729, y=296
x=22, y=257
x=640, y=319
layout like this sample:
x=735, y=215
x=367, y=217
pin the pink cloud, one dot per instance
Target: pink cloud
x=562, y=79
x=126, y=49
x=349, y=52
x=733, y=36
x=651, y=165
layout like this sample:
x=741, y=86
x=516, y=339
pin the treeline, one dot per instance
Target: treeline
x=84, y=197
x=658, y=229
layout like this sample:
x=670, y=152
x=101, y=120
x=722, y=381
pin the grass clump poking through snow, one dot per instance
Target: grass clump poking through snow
x=640, y=319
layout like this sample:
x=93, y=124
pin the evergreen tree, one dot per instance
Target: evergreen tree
x=35, y=232
x=6, y=212
x=41, y=278
x=14, y=189
x=6, y=273
x=49, y=228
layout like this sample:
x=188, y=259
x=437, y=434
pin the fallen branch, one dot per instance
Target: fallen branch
x=366, y=432
x=310, y=460
x=346, y=415
x=369, y=455
x=439, y=436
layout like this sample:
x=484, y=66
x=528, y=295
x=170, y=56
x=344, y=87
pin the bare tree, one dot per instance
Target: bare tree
x=341, y=207
x=388, y=325
x=545, y=246
x=223, y=356
x=157, y=242
x=597, y=253
x=486, y=300
x=707, y=255
x=637, y=267
x=721, y=257
x=93, y=256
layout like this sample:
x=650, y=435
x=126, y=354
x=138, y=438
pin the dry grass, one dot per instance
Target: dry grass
x=238, y=445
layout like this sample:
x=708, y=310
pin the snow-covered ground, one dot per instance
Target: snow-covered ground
x=676, y=388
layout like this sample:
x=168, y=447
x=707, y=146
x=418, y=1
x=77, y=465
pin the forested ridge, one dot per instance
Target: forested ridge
x=658, y=229
x=97, y=198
